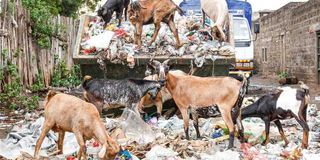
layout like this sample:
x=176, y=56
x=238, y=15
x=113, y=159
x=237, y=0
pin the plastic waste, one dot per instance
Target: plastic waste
x=217, y=133
x=100, y=41
x=124, y=155
x=135, y=128
x=159, y=153
x=226, y=155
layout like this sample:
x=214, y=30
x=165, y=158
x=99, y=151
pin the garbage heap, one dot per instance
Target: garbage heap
x=164, y=139
x=116, y=44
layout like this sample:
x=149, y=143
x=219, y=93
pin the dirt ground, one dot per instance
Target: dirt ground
x=259, y=84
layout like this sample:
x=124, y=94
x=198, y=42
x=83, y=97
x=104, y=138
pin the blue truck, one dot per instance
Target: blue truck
x=241, y=13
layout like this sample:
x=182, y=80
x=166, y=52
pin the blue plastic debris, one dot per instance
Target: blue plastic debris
x=124, y=155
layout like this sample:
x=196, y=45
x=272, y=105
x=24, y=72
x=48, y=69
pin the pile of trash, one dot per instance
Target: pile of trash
x=116, y=44
x=161, y=138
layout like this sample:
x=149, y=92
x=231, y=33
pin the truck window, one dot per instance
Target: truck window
x=241, y=30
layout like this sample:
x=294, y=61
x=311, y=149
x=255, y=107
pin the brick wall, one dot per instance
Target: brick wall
x=289, y=36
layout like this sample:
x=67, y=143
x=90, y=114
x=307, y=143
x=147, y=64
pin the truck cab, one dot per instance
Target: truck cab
x=241, y=13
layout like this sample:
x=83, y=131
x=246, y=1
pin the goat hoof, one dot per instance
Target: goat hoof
x=178, y=46
x=229, y=148
x=304, y=146
x=149, y=44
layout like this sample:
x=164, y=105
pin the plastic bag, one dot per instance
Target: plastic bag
x=135, y=128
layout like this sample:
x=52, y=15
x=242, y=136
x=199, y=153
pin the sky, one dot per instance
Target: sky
x=258, y=5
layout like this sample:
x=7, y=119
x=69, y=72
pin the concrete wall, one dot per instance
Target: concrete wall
x=290, y=38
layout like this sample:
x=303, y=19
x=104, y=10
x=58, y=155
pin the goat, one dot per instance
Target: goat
x=200, y=92
x=66, y=113
x=287, y=103
x=161, y=97
x=143, y=12
x=111, y=6
x=216, y=10
x=116, y=93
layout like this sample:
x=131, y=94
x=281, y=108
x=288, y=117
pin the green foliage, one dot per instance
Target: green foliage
x=62, y=77
x=12, y=94
x=283, y=75
x=42, y=12
x=38, y=84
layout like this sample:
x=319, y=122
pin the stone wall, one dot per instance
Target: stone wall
x=289, y=36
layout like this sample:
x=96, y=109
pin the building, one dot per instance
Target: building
x=289, y=41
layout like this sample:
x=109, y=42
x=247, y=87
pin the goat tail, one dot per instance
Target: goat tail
x=180, y=11
x=86, y=79
x=50, y=94
x=243, y=89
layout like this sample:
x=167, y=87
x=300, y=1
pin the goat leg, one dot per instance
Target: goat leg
x=119, y=15
x=203, y=18
x=279, y=126
x=156, y=31
x=185, y=117
x=82, y=146
x=45, y=130
x=174, y=30
x=138, y=35
x=305, y=127
x=159, y=109
x=303, y=118
x=195, y=118
x=227, y=118
x=241, y=130
x=125, y=13
x=267, y=129
x=60, y=142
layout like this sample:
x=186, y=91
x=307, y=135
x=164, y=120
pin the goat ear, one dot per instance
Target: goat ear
x=137, y=81
x=167, y=64
x=105, y=11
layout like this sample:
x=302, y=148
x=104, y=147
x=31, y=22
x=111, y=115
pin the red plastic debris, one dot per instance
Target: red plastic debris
x=250, y=152
x=89, y=51
x=120, y=32
x=71, y=158
x=96, y=144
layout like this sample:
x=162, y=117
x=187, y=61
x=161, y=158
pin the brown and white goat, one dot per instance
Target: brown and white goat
x=199, y=92
x=216, y=10
x=142, y=12
x=66, y=113
x=286, y=103
x=162, y=96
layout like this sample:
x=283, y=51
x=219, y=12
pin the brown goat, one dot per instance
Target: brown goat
x=142, y=12
x=216, y=10
x=198, y=92
x=66, y=113
x=161, y=97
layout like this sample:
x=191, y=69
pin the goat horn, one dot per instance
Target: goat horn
x=155, y=62
x=152, y=58
x=166, y=62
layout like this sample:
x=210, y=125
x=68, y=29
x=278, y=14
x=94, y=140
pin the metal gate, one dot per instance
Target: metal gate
x=318, y=56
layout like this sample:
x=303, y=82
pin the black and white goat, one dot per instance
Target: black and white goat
x=285, y=104
x=115, y=93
